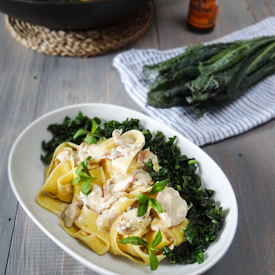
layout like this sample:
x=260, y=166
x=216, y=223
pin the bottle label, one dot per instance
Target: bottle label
x=203, y=13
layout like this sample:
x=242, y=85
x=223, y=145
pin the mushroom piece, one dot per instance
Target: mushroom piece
x=71, y=213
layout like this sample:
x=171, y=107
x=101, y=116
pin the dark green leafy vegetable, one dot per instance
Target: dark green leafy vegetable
x=198, y=237
x=252, y=64
x=266, y=55
x=235, y=56
x=205, y=87
x=209, y=76
x=258, y=66
x=205, y=219
x=185, y=59
x=169, y=98
x=184, y=69
x=184, y=75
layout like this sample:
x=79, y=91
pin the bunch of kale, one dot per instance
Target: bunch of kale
x=209, y=76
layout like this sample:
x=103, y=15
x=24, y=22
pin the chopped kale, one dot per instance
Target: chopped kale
x=205, y=219
x=127, y=125
x=174, y=165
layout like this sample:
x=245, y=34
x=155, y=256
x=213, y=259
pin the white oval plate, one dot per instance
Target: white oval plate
x=26, y=174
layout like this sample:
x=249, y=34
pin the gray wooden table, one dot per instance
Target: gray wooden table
x=32, y=84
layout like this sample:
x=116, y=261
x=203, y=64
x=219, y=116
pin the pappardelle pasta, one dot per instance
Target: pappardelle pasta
x=109, y=213
x=104, y=195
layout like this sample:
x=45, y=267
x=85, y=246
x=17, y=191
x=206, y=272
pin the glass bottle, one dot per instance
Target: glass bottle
x=202, y=15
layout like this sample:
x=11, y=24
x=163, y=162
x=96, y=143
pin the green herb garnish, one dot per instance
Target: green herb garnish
x=159, y=186
x=145, y=200
x=84, y=177
x=134, y=240
x=93, y=136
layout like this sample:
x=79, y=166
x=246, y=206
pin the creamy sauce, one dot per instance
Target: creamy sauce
x=82, y=153
x=96, y=201
x=113, y=154
x=63, y=155
x=117, y=184
x=127, y=149
x=108, y=216
x=131, y=222
x=96, y=152
x=104, y=201
x=142, y=178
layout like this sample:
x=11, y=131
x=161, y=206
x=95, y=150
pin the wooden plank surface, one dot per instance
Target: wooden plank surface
x=247, y=162
x=33, y=84
x=18, y=102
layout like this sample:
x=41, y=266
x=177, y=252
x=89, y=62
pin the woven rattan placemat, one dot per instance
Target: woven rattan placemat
x=82, y=43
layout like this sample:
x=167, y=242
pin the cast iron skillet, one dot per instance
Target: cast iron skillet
x=70, y=15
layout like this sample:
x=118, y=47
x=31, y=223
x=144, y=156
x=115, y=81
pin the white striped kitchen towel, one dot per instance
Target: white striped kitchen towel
x=255, y=107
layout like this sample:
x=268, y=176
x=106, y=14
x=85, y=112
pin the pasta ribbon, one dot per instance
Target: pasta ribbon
x=174, y=233
x=57, y=190
x=107, y=212
x=98, y=241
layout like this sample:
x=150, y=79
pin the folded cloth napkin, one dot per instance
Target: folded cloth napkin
x=255, y=107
